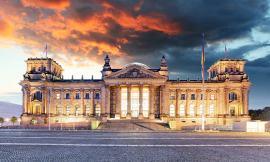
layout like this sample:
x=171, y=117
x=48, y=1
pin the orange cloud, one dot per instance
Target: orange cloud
x=6, y=29
x=50, y=4
x=144, y=23
x=102, y=47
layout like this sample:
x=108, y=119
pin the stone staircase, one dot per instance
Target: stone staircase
x=133, y=126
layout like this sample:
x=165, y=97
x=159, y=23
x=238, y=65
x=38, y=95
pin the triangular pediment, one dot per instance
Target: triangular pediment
x=134, y=72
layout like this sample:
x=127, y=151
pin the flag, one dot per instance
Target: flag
x=46, y=50
x=203, y=57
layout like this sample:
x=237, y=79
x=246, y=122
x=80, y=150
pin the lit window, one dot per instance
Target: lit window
x=191, y=110
x=183, y=97
x=172, y=110
x=87, y=110
x=200, y=111
x=212, y=96
x=58, y=96
x=97, y=110
x=68, y=110
x=193, y=97
x=182, y=111
x=211, y=109
x=58, y=110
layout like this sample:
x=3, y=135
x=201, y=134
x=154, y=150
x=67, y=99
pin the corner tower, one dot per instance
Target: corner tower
x=43, y=69
x=228, y=69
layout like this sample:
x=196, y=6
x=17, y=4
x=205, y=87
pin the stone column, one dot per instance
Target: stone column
x=221, y=103
x=141, y=102
x=118, y=102
x=165, y=99
x=24, y=101
x=177, y=103
x=129, y=102
x=107, y=101
x=82, y=101
x=187, y=103
x=92, y=113
x=103, y=103
x=245, y=94
x=152, y=98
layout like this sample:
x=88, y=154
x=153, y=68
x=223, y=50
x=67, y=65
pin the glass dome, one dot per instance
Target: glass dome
x=138, y=64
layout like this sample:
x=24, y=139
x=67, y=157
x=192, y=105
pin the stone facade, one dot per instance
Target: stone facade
x=135, y=91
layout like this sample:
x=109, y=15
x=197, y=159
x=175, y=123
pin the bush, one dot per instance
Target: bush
x=13, y=119
x=2, y=120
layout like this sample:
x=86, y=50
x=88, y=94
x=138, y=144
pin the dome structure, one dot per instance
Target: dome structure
x=138, y=64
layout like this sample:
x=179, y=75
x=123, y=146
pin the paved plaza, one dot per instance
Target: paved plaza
x=42, y=145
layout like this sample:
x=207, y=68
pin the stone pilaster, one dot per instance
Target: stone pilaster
x=118, y=102
x=107, y=101
x=152, y=98
x=187, y=103
x=245, y=97
x=129, y=102
x=82, y=101
x=141, y=102
x=92, y=113
x=177, y=115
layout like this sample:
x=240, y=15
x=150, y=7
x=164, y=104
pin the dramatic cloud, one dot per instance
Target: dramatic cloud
x=6, y=29
x=47, y=4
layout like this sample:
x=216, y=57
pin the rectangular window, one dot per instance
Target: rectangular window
x=87, y=96
x=97, y=96
x=183, y=97
x=211, y=109
x=58, y=96
x=191, y=110
x=192, y=97
x=182, y=110
x=77, y=96
x=212, y=96
x=201, y=96
x=67, y=96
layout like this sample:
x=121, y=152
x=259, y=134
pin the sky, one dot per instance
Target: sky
x=79, y=33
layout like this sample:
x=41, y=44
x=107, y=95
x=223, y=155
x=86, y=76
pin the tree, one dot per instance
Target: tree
x=13, y=119
x=2, y=121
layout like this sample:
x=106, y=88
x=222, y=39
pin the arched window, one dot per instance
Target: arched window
x=232, y=96
x=37, y=96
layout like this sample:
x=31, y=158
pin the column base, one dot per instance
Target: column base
x=128, y=116
x=117, y=116
x=152, y=116
x=141, y=116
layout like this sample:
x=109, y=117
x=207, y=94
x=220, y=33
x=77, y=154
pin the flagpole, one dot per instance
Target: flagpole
x=49, y=122
x=203, y=86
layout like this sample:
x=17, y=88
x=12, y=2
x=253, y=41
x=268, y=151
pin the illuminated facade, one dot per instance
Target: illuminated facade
x=135, y=91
